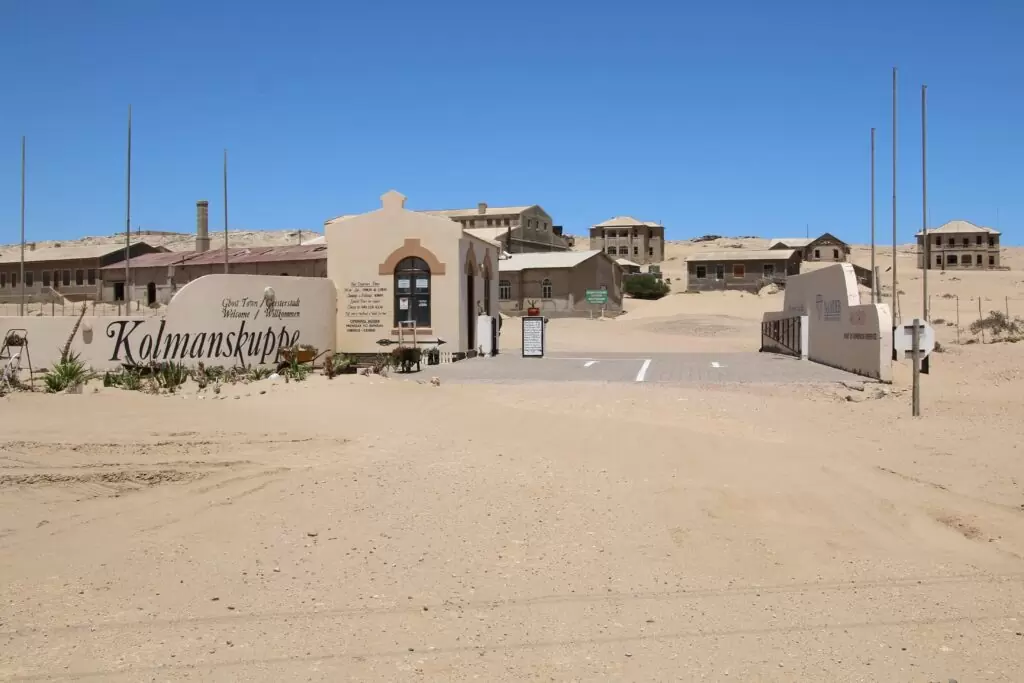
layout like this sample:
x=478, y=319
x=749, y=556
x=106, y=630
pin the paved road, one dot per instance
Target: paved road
x=667, y=368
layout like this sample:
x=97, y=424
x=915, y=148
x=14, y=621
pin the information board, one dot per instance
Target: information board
x=597, y=296
x=533, y=336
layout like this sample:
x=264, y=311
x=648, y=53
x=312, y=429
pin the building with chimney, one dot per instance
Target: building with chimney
x=642, y=242
x=155, y=278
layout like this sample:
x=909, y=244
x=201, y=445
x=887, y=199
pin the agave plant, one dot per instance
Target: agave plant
x=69, y=373
x=171, y=375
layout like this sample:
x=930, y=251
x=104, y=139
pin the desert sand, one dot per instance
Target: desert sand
x=384, y=529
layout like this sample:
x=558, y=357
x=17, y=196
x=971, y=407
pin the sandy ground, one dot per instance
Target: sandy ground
x=373, y=529
x=386, y=529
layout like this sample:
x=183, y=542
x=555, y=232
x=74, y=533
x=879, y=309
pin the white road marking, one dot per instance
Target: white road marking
x=715, y=364
x=589, y=363
x=643, y=370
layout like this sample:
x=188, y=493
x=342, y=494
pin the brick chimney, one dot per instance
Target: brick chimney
x=481, y=208
x=202, y=225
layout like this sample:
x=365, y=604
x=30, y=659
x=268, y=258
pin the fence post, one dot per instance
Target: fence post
x=1007, y=309
x=981, y=324
x=957, y=318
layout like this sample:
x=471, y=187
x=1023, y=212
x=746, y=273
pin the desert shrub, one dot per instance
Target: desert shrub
x=295, y=370
x=204, y=375
x=129, y=379
x=257, y=372
x=381, y=364
x=170, y=375
x=66, y=374
x=939, y=348
x=335, y=363
x=939, y=321
x=947, y=295
x=997, y=323
x=404, y=357
x=645, y=286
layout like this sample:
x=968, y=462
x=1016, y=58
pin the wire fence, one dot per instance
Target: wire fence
x=971, y=316
x=73, y=308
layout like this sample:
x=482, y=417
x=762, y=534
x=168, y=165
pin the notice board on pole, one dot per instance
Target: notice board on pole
x=533, y=336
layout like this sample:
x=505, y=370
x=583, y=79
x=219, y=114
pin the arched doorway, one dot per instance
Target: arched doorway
x=151, y=293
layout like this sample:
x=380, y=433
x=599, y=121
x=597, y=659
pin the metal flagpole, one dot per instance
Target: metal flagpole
x=128, y=222
x=924, y=199
x=21, y=276
x=894, y=290
x=225, y=211
x=874, y=274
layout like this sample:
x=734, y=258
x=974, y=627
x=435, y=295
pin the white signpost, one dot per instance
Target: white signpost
x=903, y=340
x=533, y=336
x=915, y=341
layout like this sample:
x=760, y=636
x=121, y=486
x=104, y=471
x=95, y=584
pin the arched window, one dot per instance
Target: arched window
x=412, y=292
x=545, y=289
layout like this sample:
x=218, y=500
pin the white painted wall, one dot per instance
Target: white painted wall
x=217, y=319
x=842, y=332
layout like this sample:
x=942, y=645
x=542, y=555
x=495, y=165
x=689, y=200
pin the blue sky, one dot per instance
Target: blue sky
x=730, y=117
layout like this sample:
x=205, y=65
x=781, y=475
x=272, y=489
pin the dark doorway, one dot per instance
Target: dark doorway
x=151, y=294
x=118, y=290
x=471, y=312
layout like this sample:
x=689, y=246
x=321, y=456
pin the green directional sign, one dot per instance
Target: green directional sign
x=597, y=296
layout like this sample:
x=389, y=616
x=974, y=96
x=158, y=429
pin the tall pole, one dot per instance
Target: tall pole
x=128, y=223
x=225, y=212
x=894, y=290
x=916, y=353
x=21, y=276
x=924, y=199
x=874, y=273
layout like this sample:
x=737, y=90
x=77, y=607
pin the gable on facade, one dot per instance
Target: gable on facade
x=829, y=240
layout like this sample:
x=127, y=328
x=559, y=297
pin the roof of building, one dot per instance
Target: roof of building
x=625, y=222
x=89, y=251
x=546, y=260
x=745, y=255
x=626, y=262
x=792, y=242
x=488, y=211
x=490, y=234
x=961, y=227
x=297, y=252
x=165, y=258
x=340, y=218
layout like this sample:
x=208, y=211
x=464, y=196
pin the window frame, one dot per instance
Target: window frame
x=79, y=277
x=740, y=268
x=768, y=270
x=697, y=272
x=504, y=290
